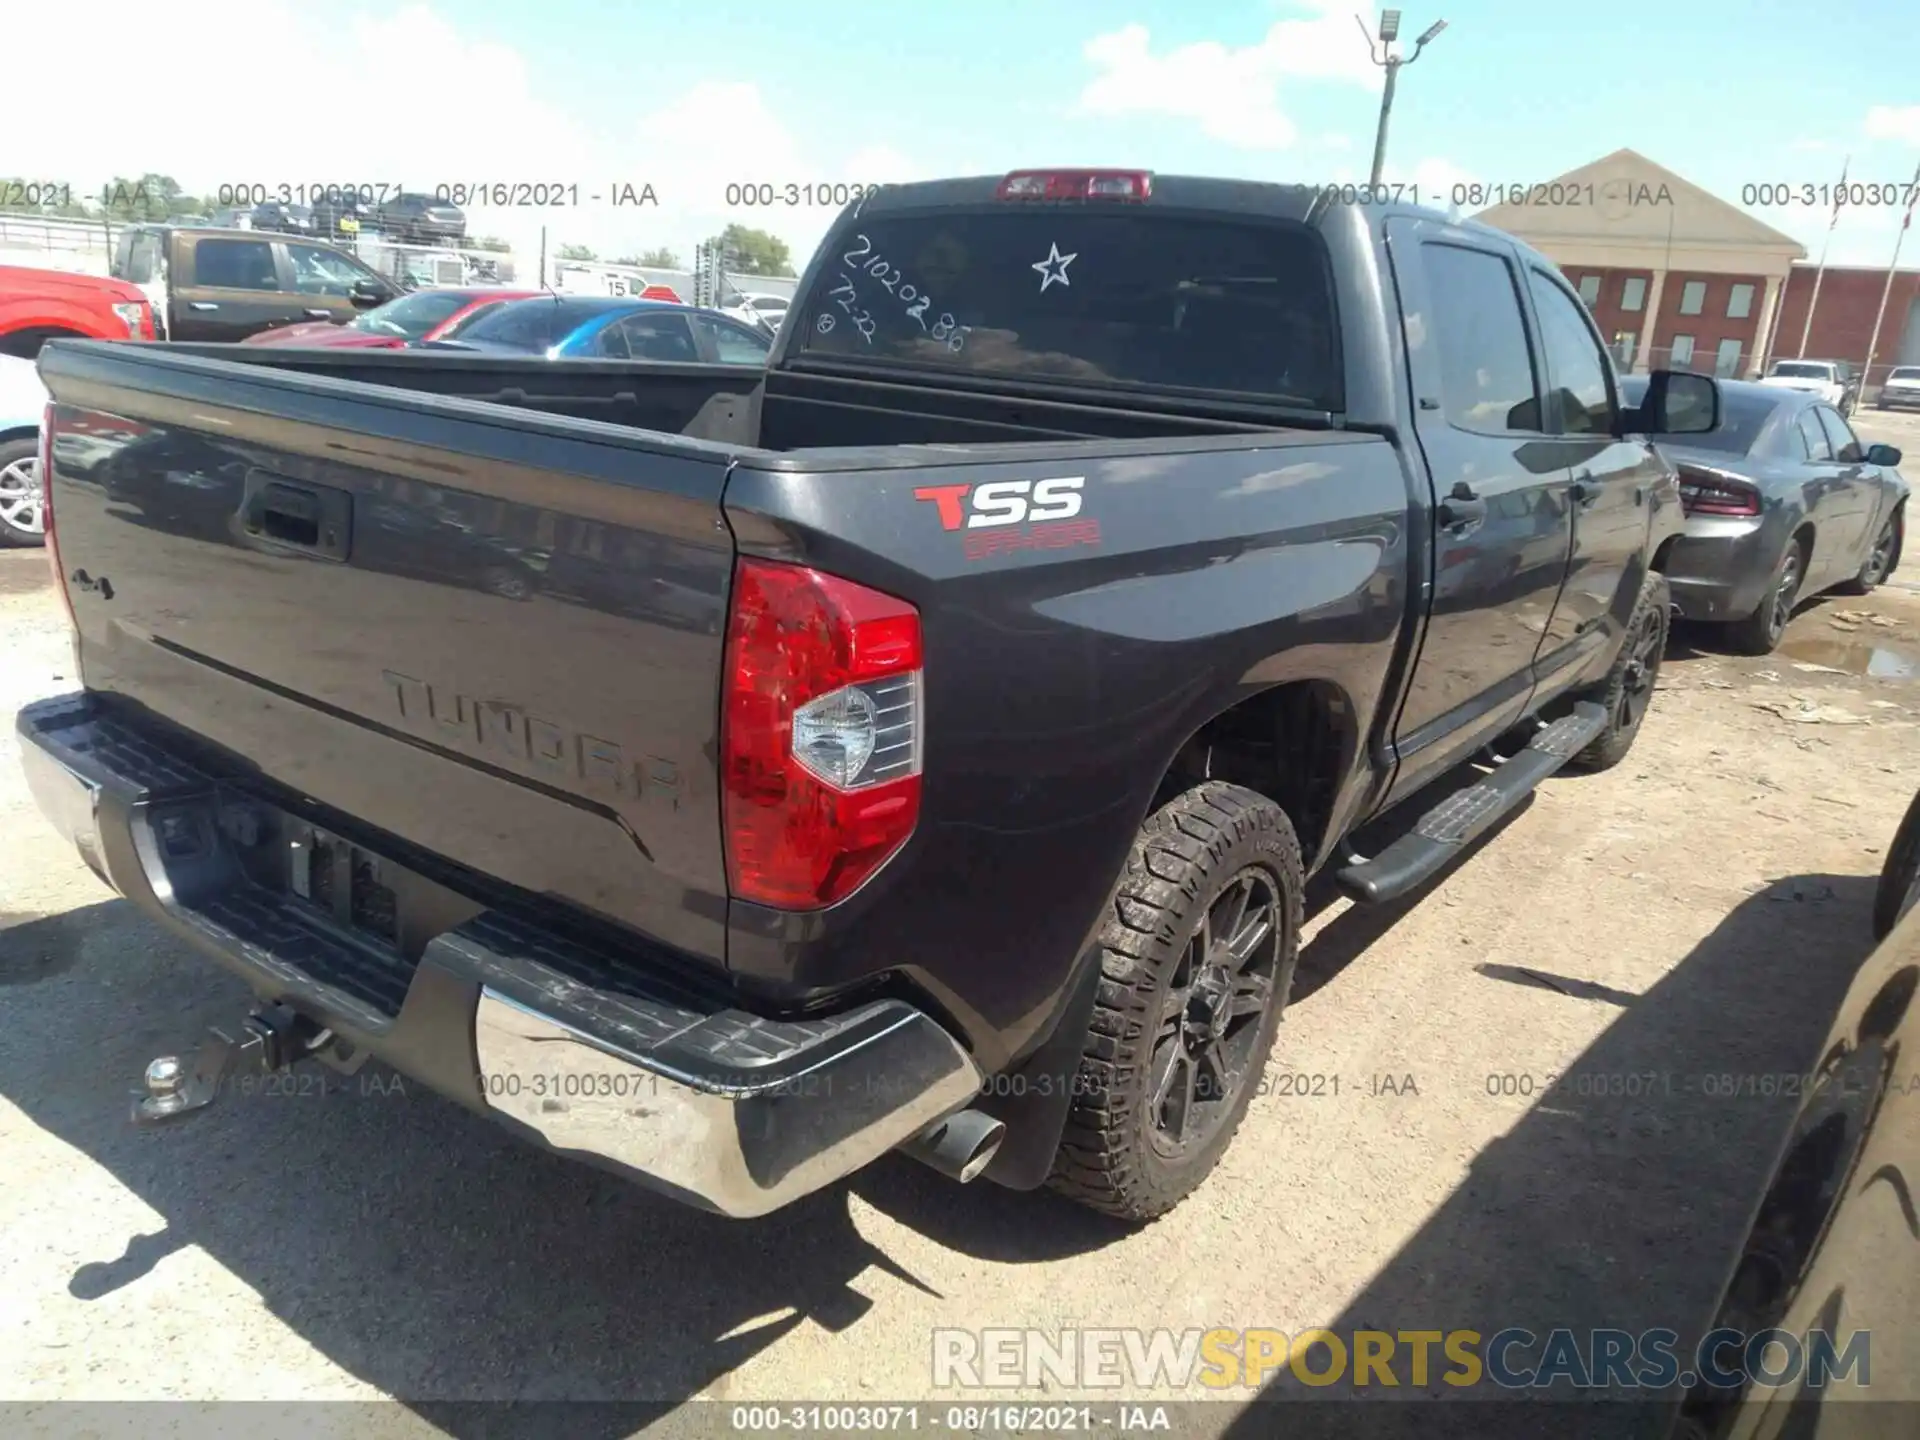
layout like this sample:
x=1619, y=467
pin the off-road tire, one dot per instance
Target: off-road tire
x=1622, y=694
x=1900, y=876
x=1758, y=634
x=1184, y=859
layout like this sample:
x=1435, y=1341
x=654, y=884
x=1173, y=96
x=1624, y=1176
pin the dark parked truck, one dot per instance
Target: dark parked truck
x=919, y=744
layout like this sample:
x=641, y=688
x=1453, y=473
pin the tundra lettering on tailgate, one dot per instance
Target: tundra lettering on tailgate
x=494, y=730
x=1042, y=509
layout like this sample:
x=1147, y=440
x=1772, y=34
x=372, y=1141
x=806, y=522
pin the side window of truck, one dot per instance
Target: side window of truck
x=1576, y=368
x=234, y=265
x=1486, y=361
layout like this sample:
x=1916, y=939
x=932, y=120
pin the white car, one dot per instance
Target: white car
x=1902, y=388
x=1831, y=380
x=22, y=401
x=767, y=310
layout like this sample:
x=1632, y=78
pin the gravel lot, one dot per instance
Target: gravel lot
x=1697, y=911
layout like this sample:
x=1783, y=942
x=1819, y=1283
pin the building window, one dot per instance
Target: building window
x=1682, y=351
x=1590, y=289
x=1693, y=297
x=1633, y=295
x=1623, y=343
x=1740, y=302
x=1726, y=359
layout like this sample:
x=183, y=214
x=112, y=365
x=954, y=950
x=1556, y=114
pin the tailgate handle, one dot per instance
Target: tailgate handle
x=286, y=515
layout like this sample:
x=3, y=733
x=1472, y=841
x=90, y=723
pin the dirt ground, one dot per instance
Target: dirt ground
x=1696, y=912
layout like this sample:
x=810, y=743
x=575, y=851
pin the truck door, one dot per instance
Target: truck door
x=1612, y=483
x=1501, y=528
x=225, y=287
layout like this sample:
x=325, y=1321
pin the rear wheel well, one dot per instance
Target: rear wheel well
x=1292, y=744
x=1658, y=564
x=1803, y=537
x=25, y=344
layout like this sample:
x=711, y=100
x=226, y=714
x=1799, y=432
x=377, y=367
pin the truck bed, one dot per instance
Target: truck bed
x=793, y=409
x=487, y=634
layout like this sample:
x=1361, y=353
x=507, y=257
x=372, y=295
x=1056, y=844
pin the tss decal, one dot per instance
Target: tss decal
x=1005, y=502
x=1046, y=508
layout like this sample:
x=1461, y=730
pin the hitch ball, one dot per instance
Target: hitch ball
x=165, y=1076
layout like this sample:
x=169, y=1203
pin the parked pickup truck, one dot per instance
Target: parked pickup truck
x=917, y=744
x=38, y=305
x=228, y=284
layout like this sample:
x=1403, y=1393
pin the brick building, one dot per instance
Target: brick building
x=1677, y=276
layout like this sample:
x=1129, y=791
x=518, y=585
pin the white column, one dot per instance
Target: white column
x=1643, y=352
x=1763, y=333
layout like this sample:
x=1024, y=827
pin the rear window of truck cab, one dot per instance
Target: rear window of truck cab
x=1084, y=296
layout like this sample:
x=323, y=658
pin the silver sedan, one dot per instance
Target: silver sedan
x=1782, y=502
x=22, y=399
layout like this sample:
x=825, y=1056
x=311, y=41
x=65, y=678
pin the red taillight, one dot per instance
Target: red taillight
x=820, y=734
x=1708, y=492
x=1076, y=185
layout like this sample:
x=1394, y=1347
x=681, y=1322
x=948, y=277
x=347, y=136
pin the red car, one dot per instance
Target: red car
x=40, y=305
x=419, y=315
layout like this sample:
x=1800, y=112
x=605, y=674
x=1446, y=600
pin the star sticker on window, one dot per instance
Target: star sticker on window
x=1054, y=267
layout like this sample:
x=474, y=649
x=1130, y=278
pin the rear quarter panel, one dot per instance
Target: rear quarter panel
x=1065, y=668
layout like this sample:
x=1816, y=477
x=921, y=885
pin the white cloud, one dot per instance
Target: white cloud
x=1893, y=122
x=1233, y=93
x=500, y=128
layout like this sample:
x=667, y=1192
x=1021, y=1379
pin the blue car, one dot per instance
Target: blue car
x=595, y=327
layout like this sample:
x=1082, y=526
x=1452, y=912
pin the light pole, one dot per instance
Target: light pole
x=1391, y=63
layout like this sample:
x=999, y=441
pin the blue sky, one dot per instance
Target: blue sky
x=692, y=97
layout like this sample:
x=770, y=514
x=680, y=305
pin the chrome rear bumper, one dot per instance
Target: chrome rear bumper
x=716, y=1106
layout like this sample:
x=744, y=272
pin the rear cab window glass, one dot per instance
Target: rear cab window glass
x=1085, y=297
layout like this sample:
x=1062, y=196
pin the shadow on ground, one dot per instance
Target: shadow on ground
x=442, y=1261
x=1602, y=1208
x=437, y=1258
x=416, y=1246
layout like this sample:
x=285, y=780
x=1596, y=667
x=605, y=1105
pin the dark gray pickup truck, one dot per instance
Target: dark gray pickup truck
x=919, y=745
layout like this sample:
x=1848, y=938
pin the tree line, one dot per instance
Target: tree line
x=154, y=197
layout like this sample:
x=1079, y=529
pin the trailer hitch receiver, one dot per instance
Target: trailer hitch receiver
x=271, y=1039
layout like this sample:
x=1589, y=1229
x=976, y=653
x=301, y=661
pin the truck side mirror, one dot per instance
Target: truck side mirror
x=1677, y=402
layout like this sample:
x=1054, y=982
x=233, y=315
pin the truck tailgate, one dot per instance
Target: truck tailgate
x=491, y=634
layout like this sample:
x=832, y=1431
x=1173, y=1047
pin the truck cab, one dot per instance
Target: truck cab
x=226, y=285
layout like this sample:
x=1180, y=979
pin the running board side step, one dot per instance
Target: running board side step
x=1446, y=829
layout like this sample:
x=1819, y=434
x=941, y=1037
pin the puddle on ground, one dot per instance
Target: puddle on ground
x=1853, y=656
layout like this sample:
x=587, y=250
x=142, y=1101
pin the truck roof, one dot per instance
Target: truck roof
x=1279, y=199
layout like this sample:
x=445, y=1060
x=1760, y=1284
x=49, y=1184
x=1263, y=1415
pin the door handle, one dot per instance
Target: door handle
x=319, y=314
x=1583, y=492
x=314, y=519
x=1462, y=507
x=202, y=305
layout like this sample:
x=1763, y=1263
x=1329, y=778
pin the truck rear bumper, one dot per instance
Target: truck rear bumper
x=580, y=1045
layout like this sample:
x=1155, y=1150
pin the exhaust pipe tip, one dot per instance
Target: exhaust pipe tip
x=960, y=1146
